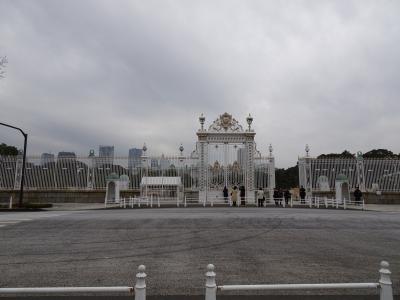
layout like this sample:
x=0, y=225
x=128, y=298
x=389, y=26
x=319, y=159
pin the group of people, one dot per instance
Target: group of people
x=234, y=195
x=240, y=192
x=278, y=196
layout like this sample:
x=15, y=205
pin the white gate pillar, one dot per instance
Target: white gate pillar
x=271, y=174
x=250, y=167
x=305, y=174
x=360, y=172
x=203, y=159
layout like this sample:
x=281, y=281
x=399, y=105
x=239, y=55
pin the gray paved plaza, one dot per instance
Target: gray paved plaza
x=247, y=246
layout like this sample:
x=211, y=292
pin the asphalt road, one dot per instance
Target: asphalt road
x=247, y=246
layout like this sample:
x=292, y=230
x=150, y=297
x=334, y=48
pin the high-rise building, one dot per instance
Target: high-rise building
x=46, y=158
x=164, y=162
x=66, y=155
x=134, y=160
x=154, y=163
x=106, y=155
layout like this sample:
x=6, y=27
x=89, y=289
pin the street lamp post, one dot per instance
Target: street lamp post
x=21, y=190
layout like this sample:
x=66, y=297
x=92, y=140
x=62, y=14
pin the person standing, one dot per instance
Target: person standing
x=260, y=197
x=234, y=195
x=225, y=193
x=302, y=194
x=280, y=197
x=287, y=195
x=357, y=195
x=276, y=197
x=242, y=195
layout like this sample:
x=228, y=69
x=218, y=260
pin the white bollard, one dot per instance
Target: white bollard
x=326, y=202
x=158, y=201
x=11, y=200
x=185, y=201
x=337, y=203
x=177, y=202
x=344, y=203
x=310, y=198
x=363, y=204
x=283, y=202
x=140, y=286
x=151, y=200
x=386, y=292
x=211, y=286
x=291, y=201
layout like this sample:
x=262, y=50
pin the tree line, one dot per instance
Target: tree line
x=289, y=178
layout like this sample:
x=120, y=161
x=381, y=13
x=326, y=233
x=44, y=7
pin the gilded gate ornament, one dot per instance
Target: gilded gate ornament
x=225, y=123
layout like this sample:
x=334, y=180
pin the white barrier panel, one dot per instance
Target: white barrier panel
x=384, y=285
x=139, y=289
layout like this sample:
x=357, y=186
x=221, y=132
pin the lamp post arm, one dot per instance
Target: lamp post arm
x=21, y=191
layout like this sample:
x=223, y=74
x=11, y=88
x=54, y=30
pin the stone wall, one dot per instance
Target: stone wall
x=63, y=196
x=56, y=196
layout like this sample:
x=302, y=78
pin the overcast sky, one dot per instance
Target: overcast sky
x=85, y=73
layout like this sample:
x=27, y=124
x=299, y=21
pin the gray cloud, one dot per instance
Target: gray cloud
x=84, y=73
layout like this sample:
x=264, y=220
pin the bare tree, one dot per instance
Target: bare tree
x=3, y=62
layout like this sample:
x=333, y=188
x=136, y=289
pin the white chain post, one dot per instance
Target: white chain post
x=140, y=286
x=211, y=286
x=291, y=201
x=386, y=292
x=344, y=203
x=326, y=202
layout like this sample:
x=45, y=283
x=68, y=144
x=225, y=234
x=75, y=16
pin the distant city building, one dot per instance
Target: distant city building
x=106, y=155
x=65, y=154
x=154, y=163
x=134, y=159
x=46, y=158
x=164, y=163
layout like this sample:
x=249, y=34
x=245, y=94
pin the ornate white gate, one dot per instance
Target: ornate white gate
x=226, y=133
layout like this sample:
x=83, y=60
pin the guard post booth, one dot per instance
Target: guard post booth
x=163, y=189
x=115, y=184
x=342, y=188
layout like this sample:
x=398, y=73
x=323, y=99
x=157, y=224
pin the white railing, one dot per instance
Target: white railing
x=384, y=285
x=139, y=289
x=311, y=202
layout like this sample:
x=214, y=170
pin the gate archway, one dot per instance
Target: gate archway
x=226, y=156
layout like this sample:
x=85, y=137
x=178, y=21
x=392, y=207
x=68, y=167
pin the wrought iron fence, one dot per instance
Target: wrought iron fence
x=83, y=173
